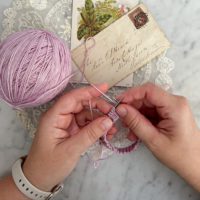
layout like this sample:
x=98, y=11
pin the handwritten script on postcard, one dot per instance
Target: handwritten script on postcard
x=122, y=48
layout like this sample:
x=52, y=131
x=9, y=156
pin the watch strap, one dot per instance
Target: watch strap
x=27, y=188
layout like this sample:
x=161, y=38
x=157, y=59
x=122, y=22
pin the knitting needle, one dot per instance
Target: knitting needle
x=105, y=96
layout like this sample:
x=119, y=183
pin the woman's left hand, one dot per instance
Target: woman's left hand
x=62, y=137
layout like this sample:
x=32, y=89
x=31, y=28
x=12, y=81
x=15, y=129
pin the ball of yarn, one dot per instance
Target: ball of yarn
x=35, y=66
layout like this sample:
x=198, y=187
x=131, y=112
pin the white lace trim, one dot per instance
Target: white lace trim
x=52, y=15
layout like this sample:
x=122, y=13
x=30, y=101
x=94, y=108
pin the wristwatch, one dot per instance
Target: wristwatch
x=27, y=188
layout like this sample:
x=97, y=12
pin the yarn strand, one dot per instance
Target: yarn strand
x=112, y=114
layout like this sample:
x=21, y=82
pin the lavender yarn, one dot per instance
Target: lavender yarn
x=35, y=66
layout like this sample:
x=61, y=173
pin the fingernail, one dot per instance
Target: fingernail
x=107, y=124
x=122, y=111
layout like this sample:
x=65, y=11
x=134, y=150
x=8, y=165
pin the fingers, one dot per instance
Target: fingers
x=154, y=94
x=89, y=135
x=111, y=133
x=137, y=123
x=98, y=108
x=151, y=96
x=101, y=105
x=73, y=101
x=86, y=116
x=132, y=136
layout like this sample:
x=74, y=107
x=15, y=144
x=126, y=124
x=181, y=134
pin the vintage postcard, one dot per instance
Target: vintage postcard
x=107, y=11
x=121, y=48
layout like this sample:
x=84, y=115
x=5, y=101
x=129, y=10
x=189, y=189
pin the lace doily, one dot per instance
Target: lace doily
x=55, y=16
x=51, y=15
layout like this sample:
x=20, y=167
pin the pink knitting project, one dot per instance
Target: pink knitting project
x=114, y=117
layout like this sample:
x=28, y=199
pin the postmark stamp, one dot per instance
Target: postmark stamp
x=139, y=18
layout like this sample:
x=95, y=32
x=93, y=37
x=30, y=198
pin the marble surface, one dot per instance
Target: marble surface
x=137, y=176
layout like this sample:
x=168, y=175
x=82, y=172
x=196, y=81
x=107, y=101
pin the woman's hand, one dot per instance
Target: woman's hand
x=165, y=123
x=64, y=133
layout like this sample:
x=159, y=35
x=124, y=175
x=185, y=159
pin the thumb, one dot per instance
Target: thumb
x=90, y=134
x=137, y=123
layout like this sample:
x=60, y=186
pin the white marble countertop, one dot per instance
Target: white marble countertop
x=137, y=176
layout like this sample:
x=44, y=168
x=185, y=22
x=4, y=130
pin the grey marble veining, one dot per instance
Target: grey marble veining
x=137, y=176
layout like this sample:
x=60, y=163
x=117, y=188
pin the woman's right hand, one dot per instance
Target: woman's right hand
x=164, y=122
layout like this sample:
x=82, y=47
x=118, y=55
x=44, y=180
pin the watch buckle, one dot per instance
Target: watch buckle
x=55, y=191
